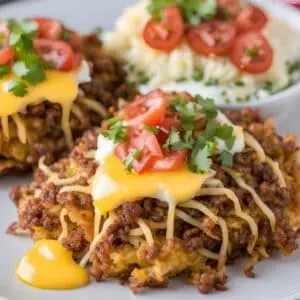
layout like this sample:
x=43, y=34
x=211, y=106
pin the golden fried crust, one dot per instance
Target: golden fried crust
x=43, y=121
x=118, y=255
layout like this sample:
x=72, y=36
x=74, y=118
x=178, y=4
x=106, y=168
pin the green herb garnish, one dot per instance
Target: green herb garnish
x=4, y=70
x=66, y=35
x=17, y=87
x=151, y=129
x=132, y=156
x=117, y=131
x=207, y=107
x=198, y=76
x=212, y=81
x=226, y=159
x=239, y=83
x=251, y=52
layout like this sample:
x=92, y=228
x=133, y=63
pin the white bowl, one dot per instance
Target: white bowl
x=284, y=107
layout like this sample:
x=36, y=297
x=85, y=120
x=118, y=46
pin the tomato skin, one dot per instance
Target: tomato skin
x=147, y=109
x=57, y=52
x=251, y=18
x=171, y=161
x=228, y=8
x=49, y=28
x=167, y=34
x=145, y=142
x=249, y=40
x=205, y=38
x=75, y=41
x=165, y=128
x=6, y=55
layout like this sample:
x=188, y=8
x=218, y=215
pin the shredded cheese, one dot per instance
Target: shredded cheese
x=147, y=231
x=95, y=106
x=171, y=221
x=21, y=128
x=76, y=188
x=238, y=210
x=64, y=225
x=264, y=208
x=209, y=254
x=276, y=169
x=254, y=144
x=5, y=127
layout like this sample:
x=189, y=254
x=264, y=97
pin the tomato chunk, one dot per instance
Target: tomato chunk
x=252, y=53
x=57, y=52
x=251, y=18
x=167, y=34
x=212, y=38
x=146, y=143
x=6, y=55
x=165, y=128
x=148, y=109
x=171, y=161
x=49, y=28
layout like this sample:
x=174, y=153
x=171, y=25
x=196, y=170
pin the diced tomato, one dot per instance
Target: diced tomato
x=165, y=128
x=212, y=38
x=251, y=18
x=78, y=57
x=57, y=52
x=171, y=161
x=6, y=55
x=49, y=28
x=167, y=34
x=150, y=149
x=252, y=53
x=228, y=8
x=148, y=109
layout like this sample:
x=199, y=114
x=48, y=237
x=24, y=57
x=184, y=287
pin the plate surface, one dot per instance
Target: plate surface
x=277, y=278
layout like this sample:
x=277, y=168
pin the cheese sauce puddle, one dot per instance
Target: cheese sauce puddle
x=48, y=265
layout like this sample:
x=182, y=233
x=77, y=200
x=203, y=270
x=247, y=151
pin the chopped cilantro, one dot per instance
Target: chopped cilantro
x=66, y=36
x=212, y=81
x=251, y=52
x=117, y=131
x=17, y=87
x=239, y=83
x=98, y=30
x=151, y=129
x=173, y=140
x=4, y=70
x=226, y=159
x=200, y=160
x=142, y=78
x=198, y=76
x=268, y=86
x=156, y=8
x=207, y=107
x=293, y=67
x=136, y=154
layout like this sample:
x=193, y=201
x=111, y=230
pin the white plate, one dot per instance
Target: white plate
x=277, y=278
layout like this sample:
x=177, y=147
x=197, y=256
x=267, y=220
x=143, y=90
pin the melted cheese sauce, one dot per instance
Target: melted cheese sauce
x=59, y=87
x=48, y=265
x=113, y=186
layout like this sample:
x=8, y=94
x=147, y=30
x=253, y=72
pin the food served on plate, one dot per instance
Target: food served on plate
x=229, y=50
x=54, y=85
x=168, y=186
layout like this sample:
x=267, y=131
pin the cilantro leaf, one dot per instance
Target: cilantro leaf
x=156, y=8
x=151, y=129
x=132, y=156
x=226, y=159
x=173, y=139
x=200, y=160
x=208, y=9
x=4, y=70
x=17, y=87
x=66, y=36
x=198, y=76
x=207, y=107
x=117, y=131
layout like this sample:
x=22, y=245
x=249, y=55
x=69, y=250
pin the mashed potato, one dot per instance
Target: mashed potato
x=175, y=70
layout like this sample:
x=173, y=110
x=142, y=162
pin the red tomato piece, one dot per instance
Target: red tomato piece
x=171, y=161
x=49, y=28
x=148, y=109
x=6, y=55
x=145, y=142
x=228, y=8
x=57, y=52
x=167, y=34
x=75, y=41
x=251, y=18
x=252, y=53
x=165, y=128
x=212, y=38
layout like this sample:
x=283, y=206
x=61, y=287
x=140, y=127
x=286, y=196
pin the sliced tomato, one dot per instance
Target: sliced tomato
x=49, y=28
x=148, y=109
x=171, y=161
x=252, y=53
x=228, y=8
x=167, y=34
x=251, y=18
x=145, y=142
x=212, y=38
x=165, y=128
x=6, y=55
x=78, y=57
x=57, y=52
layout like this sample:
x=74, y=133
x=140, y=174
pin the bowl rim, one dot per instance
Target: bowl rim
x=283, y=11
